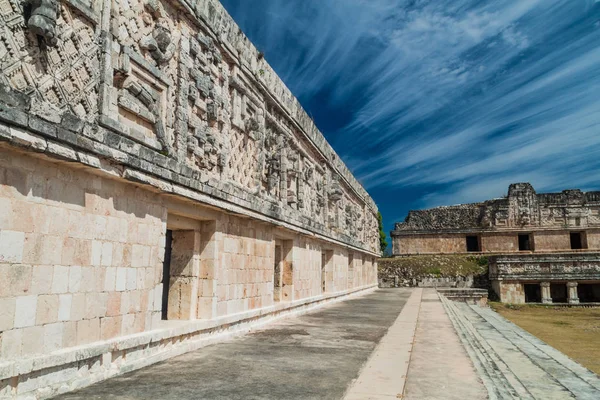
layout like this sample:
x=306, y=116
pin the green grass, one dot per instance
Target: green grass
x=574, y=331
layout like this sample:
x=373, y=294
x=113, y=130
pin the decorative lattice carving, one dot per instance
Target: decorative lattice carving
x=242, y=166
x=64, y=72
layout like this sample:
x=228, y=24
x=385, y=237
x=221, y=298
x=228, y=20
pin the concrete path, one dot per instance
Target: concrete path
x=314, y=356
x=384, y=375
x=516, y=365
x=440, y=368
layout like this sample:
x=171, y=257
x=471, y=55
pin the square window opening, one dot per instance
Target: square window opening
x=577, y=240
x=525, y=242
x=473, y=243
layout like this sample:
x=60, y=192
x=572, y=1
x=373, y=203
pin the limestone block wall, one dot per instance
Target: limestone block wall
x=552, y=241
x=80, y=257
x=510, y=292
x=593, y=238
x=498, y=242
x=426, y=244
x=339, y=273
x=245, y=276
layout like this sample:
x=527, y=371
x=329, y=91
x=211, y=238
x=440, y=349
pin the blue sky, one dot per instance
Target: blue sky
x=439, y=102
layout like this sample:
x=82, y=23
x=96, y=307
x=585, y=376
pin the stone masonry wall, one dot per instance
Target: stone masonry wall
x=129, y=123
x=245, y=279
x=177, y=95
x=549, y=217
x=80, y=257
x=522, y=208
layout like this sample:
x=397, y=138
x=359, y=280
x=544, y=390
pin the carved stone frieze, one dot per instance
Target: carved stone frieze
x=334, y=191
x=159, y=44
x=522, y=208
x=62, y=73
x=42, y=21
x=183, y=95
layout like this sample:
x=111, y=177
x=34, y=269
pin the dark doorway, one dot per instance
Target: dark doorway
x=558, y=292
x=350, y=270
x=588, y=292
x=473, y=243
x=525, y=242
x=326, y=258
x=277, y=274
x=533, y=293
x=576, y=242
x=166, y=273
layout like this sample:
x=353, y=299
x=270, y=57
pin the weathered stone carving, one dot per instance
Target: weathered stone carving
x=293, y=166
x=141, y=92
x=42, y=21
x=334, y=191
x=159, y=45
x=64, y=76
x=149, y=73
x=274, y=144
x=522, y=204
x=534, y=267
x=208, y=148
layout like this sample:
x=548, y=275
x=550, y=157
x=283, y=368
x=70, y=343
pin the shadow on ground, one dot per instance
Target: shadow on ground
x=314, y=356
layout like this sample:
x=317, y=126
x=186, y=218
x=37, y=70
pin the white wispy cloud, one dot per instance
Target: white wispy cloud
x=462, y=95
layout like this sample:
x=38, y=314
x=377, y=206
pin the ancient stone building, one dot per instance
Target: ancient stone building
x=158, y=184
x=545, y=243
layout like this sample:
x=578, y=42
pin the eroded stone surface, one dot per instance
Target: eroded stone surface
x=547, y=217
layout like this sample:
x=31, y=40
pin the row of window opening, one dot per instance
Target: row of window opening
x=526, y=243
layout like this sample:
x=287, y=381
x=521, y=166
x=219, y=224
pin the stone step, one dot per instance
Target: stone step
x=484, y=363
x=499, y=381
x=537, y=382
x=580, y=381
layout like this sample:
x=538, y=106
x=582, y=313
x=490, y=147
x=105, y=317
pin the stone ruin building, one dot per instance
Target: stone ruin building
x=158, y=183
x=545, y=247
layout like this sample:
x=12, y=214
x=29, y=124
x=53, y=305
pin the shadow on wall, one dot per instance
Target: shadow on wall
x=78, y=188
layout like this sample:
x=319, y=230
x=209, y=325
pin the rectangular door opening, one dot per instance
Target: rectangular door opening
x=533, y=293
x=166, y=274
x=326, y=258
x=558, y=292
x=588, y=292
x=277, y=270
x=576, y=241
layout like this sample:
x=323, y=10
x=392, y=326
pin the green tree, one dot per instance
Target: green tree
x=382, y=237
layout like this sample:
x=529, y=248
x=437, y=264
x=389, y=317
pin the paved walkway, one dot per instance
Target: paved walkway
x=389, y=344
x=440, y=368
x=314, y=356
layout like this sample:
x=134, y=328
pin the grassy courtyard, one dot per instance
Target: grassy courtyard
x=573, y=331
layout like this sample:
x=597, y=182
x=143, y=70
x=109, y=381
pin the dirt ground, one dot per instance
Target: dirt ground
x=574, y=331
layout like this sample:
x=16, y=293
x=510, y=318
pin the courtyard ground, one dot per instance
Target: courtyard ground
x=362, y=348
x=574, y=331
x=386, y=344
x=312, y=356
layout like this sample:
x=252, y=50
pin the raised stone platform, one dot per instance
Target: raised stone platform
x=546, y=277
x=466, y=295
